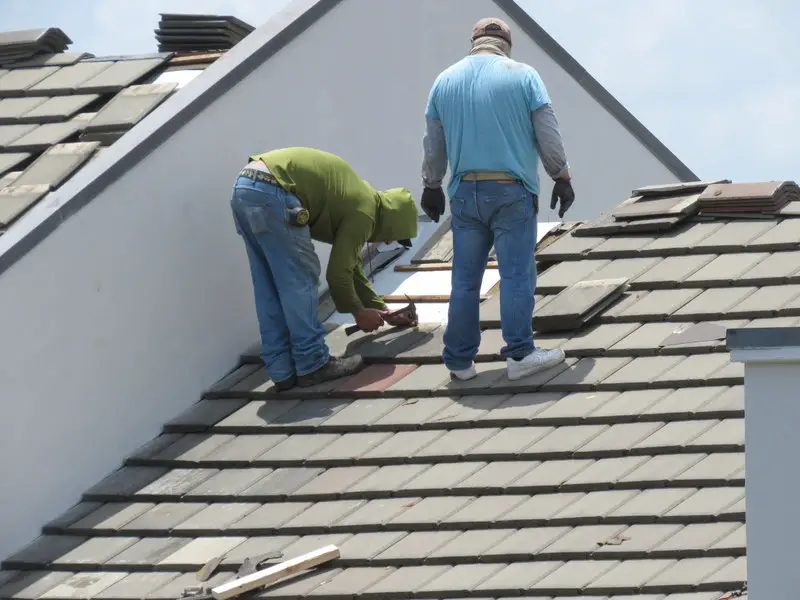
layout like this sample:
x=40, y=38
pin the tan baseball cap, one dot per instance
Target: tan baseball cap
x=491, y=27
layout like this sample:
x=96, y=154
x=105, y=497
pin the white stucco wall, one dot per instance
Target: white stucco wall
x=131, y=308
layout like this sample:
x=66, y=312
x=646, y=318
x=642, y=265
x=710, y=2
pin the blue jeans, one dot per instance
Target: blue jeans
x=486, y=213
x=285, y=271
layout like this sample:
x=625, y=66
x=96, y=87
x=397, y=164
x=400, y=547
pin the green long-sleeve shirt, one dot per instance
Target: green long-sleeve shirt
x=346, y=212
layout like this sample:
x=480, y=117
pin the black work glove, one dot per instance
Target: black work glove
x=564, y=195
x=433, y=203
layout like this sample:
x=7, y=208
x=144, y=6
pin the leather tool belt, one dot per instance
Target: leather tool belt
x=488, y=176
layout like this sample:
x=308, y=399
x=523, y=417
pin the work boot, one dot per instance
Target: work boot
x=536, y=362
x=286, y=384
x=335, y=368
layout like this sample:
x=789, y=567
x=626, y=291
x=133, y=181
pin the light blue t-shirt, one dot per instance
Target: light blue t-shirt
x=485, y=102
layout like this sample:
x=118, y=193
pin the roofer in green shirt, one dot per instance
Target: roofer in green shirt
x=284, y=199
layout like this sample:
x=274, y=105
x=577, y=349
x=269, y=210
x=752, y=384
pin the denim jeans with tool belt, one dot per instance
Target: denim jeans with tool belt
x=285, y=270
x=485, y=212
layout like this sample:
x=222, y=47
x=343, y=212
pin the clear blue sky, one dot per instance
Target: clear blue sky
x=718, y=81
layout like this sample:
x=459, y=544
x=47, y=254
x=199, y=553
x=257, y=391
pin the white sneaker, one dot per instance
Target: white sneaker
x=537, y=361
x=465, y=374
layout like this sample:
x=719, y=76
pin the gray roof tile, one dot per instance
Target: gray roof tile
x=637, y=540
x=405, y=579
x=658, y=304
x=119, y=75
x=471, y=544
x=629, y=403
x=684, y=402
x=12, y=109
x=216, y=517
x=405, y=444
x=594, y=506
x=521, y=575
x=777, y=266
x=460, y=579
x=41, y=137
x=88, y=585
x=698, y=536
x=175, y=483
x=580, y=540
x=298, y=447
x=17, y=81
x=657, y=468
x=686, y=573
x=386, y=478
x=573, y=576
x=417, y=544
x=31, y=585
x=269, y=516
x=629, y=576
x=111, y=517
x=456, y=442
x=444, y=476
x=226, y=483
x=199, y=551
x=162, y=517
x=67, y=80
x=714, y=466
x=726, y=268
x=136, y=585
x=708, y=502
x=497, y=475
x=57, y=164
x=438, y=509
x=367, y=546
x=94, y=551
x=281, y=482
x=552, y=473
x=192, y=447
x=605, y=471
x=350, y=446
x=244, y=449
x=672, y=271
x=568, y=273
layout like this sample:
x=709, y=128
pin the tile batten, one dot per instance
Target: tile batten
x=771, y=358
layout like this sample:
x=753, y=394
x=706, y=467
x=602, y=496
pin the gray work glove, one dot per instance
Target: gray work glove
x=563, y=195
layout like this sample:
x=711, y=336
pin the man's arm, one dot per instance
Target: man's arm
x=547, y=138
x=366, y=293
x=434, y=162
x=546, y=133
x=345, y=277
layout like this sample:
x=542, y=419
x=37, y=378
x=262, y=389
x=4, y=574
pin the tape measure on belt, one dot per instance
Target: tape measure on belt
x=299, y=216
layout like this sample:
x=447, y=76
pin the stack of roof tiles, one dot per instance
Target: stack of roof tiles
x=184, y=32
x=618, y=475
x=24, y=45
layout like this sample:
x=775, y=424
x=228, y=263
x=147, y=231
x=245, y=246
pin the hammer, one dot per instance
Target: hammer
x=411, y=310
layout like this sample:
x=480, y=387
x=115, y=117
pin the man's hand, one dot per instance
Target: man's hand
x=369, y=319
x=563, y=195
x=433, y=203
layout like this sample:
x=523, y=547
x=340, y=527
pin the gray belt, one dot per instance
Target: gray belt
x=257, y=175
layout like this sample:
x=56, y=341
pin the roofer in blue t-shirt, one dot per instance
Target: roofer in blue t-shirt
x=491, y=118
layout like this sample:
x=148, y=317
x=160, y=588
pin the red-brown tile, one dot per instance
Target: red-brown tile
x=375, y=378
